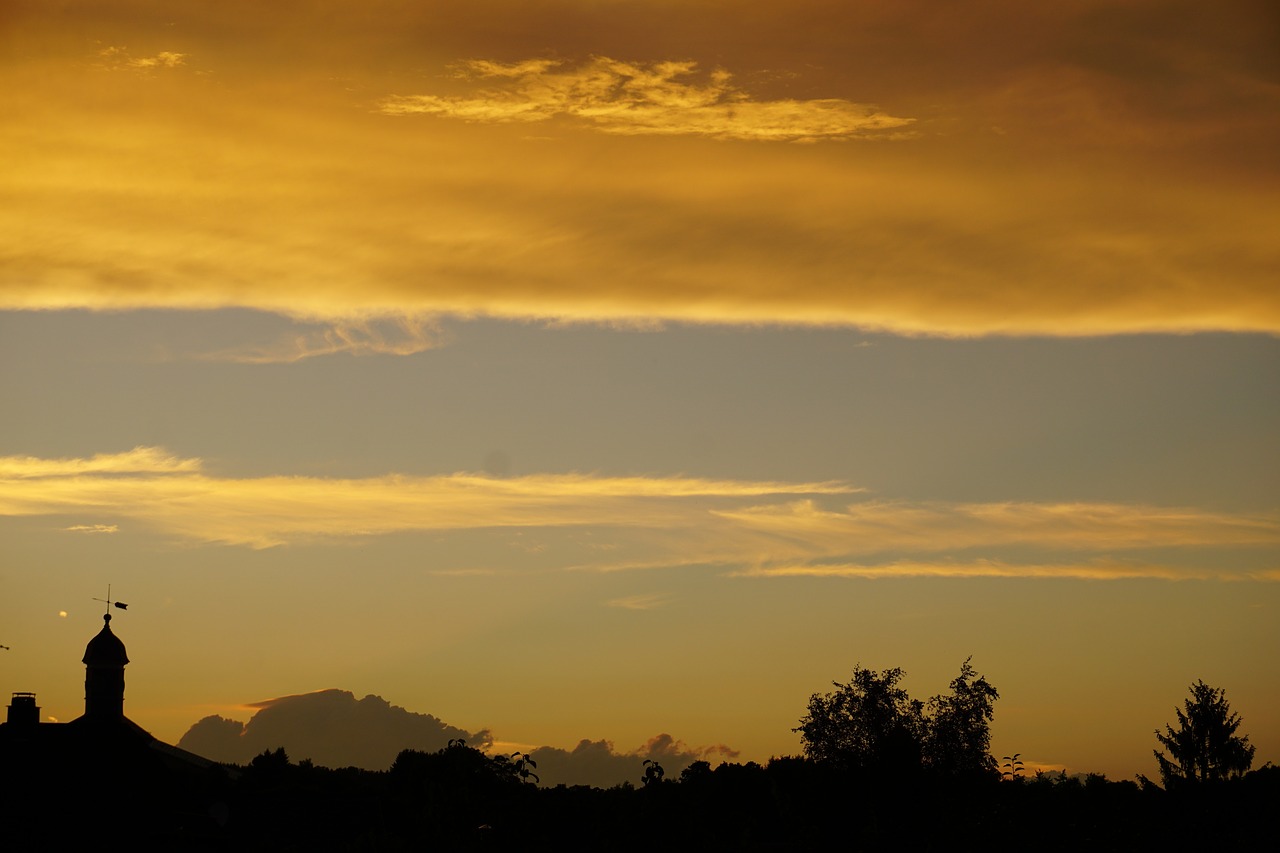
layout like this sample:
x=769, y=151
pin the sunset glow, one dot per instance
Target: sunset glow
x=654, y=362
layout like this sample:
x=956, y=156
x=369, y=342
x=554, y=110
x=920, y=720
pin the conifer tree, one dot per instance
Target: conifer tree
x=1204, y=747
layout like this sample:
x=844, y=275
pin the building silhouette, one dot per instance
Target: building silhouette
x=101, y=766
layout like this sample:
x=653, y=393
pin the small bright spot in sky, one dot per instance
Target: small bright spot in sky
x=62, y=613
x=53, y=719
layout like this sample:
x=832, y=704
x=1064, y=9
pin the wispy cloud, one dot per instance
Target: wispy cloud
x=268, y=511
x=93, y=528
x=375, y=336
x=754, y=528
x=120, y=57
x=638, y=98
x=638, y=602
x=992, y=569
x=872, y=526
x=140, y=460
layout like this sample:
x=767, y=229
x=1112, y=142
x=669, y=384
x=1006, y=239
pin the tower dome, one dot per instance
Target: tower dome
x=104, y=660
x=106, y=649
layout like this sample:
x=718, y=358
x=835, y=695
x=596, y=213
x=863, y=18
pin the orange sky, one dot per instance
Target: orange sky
x=1112, y=161
x=661, y=359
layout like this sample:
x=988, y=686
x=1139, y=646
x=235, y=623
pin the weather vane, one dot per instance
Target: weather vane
x=107, y=601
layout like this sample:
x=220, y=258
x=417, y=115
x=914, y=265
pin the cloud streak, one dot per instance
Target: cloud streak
x=268, y=511
x=756, y=528
x=373, y=336
x=658, y=98
x=872, y=526
x=119, y=57
x=93, y=528
x=139, y=460
x=993, y=569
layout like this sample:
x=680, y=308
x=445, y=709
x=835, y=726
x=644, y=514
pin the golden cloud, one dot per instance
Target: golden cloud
x=652, y=521
x=93, y=528
x=140, y=460
x=645, y=98
x=872, y=526
x=119, y=57
x=993, y=569
x=268, y=511
x=1094, y=175
x=372, y=336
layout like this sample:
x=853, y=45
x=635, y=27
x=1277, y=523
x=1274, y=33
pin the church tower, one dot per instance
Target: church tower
x=104, y=661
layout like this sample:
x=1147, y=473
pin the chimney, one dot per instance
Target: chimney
x=23, y=710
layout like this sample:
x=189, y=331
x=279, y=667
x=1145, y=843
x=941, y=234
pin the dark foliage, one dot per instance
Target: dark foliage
x=903, y=776
x=872, y=725
x=1205, y=746
x=868, y=724
x=461, y=799
x=957, y=729
x=464, y=800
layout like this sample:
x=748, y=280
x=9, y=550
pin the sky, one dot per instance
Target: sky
x=622, y=373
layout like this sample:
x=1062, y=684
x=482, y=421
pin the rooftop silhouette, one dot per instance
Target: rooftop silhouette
x=99, y=765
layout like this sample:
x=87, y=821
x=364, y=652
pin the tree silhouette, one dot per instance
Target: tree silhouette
x=1204, y=747
x=523, y=765
x=870, y=723
x=653, y=772
x=957, y=733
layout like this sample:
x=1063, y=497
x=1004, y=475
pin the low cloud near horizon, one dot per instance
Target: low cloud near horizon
x=334, y=729
x=599, y=764
x=330, y=727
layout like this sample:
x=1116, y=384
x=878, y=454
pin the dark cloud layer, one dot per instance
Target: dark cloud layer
x=331, y=727
x=598, y=763
x=334, y=729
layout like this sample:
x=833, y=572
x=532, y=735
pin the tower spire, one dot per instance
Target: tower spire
x=104, y=661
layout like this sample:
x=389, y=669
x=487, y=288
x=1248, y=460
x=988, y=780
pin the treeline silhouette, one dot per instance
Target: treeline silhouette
x=459, y=798
x=881, y=771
